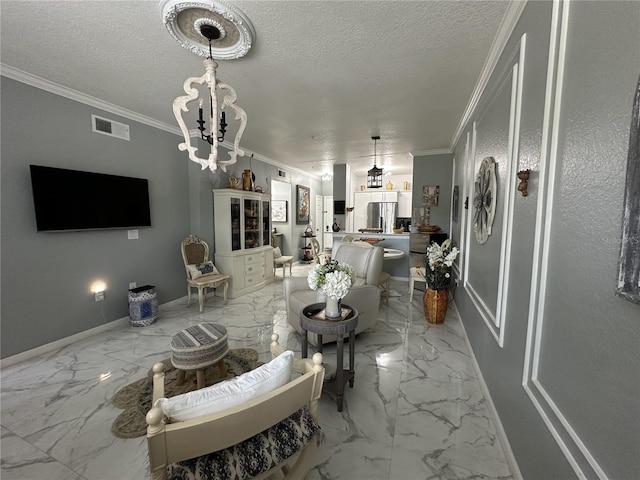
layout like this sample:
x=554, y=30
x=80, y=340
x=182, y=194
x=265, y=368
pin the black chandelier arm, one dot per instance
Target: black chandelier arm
x=207, y=138
x=222, y=130
x=223, y=127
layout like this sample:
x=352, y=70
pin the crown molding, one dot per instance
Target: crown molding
x=508, y=24
x=437, y=151
x=281, y=166
x=57, y=89
x=61, y=90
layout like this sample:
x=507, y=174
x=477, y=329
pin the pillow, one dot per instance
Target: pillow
x=229, y=393
x=276, y=252
x=206, y=268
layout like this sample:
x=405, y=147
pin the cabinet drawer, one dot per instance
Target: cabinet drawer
x=418, y=242
x=253, y=268
x=254, y=258
x=254, y=279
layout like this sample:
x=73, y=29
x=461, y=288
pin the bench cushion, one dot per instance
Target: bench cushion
x=253, y=456
x=229, y=393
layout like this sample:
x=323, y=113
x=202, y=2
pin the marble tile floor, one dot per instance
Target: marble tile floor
x=416, y=411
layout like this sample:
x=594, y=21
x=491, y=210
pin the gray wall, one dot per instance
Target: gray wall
x=46, y=276
x=201, y=206
x=434, y=170
x=586, y=366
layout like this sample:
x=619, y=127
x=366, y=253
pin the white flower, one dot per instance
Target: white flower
x=333, y=278
x=337, y=284
x=440, y=261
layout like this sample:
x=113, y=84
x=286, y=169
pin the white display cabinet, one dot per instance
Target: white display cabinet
x=242, y=238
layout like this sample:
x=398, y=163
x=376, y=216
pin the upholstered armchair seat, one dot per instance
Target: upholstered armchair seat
x=364, y=295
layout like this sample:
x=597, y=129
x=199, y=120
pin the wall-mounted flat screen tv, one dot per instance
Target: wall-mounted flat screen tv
x=75, y=200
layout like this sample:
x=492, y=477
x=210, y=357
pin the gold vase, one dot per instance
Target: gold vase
x=435, y=303
x=247, y=180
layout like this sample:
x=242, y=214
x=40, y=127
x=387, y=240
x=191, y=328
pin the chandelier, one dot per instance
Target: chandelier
x=374, y=176
x=228, y=34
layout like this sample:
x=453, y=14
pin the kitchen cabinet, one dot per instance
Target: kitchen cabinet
x=404, y=204
x=242, y=239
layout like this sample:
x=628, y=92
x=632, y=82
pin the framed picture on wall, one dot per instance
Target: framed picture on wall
x=430, y=195
x=629, y=264
x=279, y=211
x=303, y=204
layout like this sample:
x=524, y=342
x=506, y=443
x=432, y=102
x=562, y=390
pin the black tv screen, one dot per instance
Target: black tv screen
x=74, y=200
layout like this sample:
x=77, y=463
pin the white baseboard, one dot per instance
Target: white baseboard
x=63, y=342
x=502, y=435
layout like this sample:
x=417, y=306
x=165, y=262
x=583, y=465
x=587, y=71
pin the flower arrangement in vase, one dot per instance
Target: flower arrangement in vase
x=334, y=280
x=439, y=261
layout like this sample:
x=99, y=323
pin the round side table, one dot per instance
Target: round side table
x=310, y=322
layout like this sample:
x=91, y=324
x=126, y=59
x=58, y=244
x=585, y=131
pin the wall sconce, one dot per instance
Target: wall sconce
x=523, y=175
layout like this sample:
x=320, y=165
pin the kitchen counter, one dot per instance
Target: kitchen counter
x=340, y=234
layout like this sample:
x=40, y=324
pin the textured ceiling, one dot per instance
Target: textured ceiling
x=321, y=78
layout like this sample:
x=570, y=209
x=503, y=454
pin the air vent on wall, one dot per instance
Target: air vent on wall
x=109, y=127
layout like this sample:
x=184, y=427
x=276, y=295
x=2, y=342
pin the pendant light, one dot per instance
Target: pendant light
x=374, y=176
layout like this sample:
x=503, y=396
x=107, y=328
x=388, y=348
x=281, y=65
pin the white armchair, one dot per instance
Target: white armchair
x=364, y=295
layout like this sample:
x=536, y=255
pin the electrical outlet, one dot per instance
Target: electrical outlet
x=132, y=285
x=99, y=296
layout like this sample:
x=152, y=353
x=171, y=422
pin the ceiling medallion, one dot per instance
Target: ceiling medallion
x=184, y=19
x=484, y=200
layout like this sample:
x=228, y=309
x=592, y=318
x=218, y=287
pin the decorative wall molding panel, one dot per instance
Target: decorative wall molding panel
x=504, y=102
x=576, y=452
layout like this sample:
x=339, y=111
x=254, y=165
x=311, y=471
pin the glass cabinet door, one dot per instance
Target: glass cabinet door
x=235, y=224
x=251, y=223
x=266, y=223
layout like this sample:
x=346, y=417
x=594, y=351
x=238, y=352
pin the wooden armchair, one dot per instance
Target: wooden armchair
x=195, y=254
x=280, y=260
x=220, y=441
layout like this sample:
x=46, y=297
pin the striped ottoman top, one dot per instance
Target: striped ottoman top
x=199, y=346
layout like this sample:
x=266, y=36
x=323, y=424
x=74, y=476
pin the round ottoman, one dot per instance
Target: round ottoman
x=196, y=348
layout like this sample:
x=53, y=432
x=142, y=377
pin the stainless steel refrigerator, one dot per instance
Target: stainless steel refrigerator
x=382, y=215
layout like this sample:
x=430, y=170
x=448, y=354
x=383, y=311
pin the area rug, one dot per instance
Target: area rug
x=136, y=397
